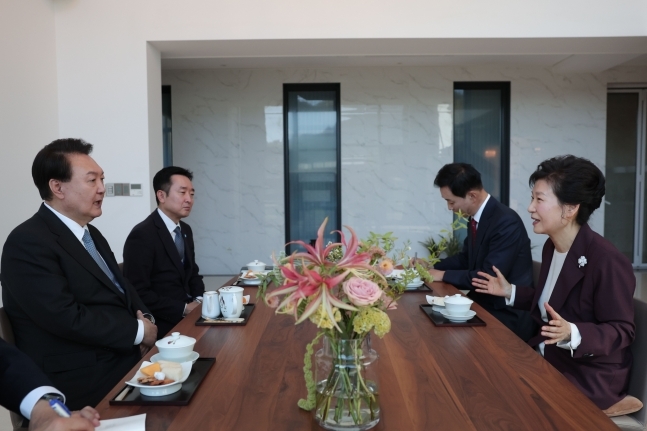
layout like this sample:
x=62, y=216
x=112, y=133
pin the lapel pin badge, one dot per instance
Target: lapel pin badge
x=581, y=261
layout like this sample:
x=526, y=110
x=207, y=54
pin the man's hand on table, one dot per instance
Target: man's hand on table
x=436, y=274
x=150, y=331
x=44, y=418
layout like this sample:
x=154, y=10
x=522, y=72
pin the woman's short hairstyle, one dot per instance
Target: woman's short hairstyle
x=574, y=180
x=460, y=178
x=52, y=163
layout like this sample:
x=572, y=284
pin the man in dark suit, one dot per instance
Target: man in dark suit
x=25, y=389
x=496, y=237
x=72, y=311
x=159, y=254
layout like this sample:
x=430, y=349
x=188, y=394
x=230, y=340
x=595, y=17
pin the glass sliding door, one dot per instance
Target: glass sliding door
x=625, y=224
x=312, y=139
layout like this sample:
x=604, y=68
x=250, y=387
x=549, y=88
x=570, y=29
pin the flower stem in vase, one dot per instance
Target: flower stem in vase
x=347, y=391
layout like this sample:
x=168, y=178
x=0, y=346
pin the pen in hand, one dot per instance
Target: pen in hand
x=60, y=408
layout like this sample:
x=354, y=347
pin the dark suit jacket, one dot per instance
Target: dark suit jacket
x=501, y=241
x=598, y=298
x=67, y=315
x=153, y=266
x=18, y=376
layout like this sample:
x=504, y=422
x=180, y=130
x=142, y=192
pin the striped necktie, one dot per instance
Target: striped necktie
x=92, y=249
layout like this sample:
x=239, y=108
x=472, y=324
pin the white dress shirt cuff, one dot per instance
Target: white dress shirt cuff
x=510, y=301
x=27, y=404
x=576, y=339
x=140, y=332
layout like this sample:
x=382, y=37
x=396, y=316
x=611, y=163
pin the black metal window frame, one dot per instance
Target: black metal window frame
x=287, y=88
x=504, y=87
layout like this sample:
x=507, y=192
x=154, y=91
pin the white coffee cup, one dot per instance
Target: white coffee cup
x=210, y=305
x=231, y=301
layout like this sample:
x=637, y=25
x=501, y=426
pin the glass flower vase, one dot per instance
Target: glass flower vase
x=347, y=396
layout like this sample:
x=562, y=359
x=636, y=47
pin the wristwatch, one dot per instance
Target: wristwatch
x=49, y=397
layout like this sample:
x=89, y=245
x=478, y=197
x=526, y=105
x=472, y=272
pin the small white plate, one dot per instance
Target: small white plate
x=250, y=281
x=415, y=285
x=192, y=357
x=458, y=319
x=158, y=391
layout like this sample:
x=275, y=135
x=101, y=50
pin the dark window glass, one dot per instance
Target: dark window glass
x=312, y=139
x=166, y=125
x=482, y=132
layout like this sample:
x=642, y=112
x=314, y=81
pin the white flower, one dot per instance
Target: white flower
x=581, y=261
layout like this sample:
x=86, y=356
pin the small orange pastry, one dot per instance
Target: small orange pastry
x=151, y=369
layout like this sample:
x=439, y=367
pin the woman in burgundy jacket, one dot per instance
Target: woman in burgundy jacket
x=584, y=298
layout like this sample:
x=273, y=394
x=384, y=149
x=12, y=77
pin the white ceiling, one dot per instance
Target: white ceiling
x=564, y=55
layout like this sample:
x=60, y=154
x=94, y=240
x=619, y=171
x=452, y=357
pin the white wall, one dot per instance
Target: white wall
x=396, y=134
x=28, y=103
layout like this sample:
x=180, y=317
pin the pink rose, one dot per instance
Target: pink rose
x=362, y=292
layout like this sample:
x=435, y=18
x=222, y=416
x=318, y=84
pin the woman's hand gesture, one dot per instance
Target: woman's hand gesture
x=497, y=286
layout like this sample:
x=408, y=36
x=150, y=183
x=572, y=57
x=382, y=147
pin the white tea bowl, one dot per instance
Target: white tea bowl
x=256, y=266
x=457, y=305
x=176, y=348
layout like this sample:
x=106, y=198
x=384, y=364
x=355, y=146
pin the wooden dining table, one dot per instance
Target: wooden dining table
x=431, y=377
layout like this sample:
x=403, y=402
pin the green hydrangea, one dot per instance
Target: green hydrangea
x=372, y=318
x=322, y=319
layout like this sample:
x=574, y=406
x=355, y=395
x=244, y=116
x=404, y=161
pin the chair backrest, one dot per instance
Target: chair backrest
x=6, y=331
x=638, y=381
x=536, y=267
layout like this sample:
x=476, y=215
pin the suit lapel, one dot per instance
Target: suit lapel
x=571, y=272
x=169, y=245
x=546, y=258
x=73, y=246
x=481, y=229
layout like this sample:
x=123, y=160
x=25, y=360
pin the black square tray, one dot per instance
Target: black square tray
x=249, y=309
x=180, y=398
x=439, y=320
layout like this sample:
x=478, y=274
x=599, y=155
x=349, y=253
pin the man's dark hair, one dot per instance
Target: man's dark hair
x=574, y=180
x=52, y=163
x=460, y=178
x=162, y=179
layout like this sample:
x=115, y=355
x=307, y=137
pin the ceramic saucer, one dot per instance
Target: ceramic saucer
x=192, y=357
x=458, y=319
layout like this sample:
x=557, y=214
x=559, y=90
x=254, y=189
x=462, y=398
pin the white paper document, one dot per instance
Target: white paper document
x=130, y=423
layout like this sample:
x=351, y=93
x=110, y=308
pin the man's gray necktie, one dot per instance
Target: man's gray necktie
x=90, y=247
x=179, y=242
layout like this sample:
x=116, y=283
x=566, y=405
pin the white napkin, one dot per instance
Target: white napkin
x=435, y=300
x=129, y=423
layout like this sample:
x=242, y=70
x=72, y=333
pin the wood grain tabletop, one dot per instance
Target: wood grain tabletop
x=431, y=378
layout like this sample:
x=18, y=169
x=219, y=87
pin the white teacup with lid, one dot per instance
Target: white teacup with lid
x=256, y=266
x=177, y=348
x=457, y=305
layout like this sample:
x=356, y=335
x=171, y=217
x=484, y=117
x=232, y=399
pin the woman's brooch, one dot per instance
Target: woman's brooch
x=581, y=261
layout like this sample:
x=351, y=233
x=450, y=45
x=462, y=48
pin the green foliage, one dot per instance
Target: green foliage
x=449, y=243
x=310, y=401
